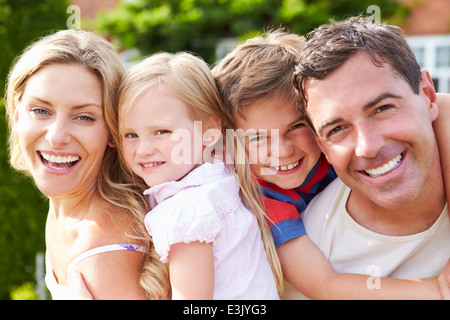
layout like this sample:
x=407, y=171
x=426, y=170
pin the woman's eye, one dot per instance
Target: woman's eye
x=38, y=111
x=86, y=118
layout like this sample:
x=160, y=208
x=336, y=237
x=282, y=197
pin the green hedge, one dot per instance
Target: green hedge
x=23, y=211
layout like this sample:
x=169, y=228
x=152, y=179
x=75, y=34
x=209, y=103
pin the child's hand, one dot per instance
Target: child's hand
x=79, y=289
x=444, y=282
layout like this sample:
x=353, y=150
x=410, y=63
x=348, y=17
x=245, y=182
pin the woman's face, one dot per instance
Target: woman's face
x=61, y=129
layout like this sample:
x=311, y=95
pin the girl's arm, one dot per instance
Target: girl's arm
x=307, y=270
x=192, y=271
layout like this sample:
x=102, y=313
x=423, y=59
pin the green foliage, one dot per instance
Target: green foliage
x=198, y=25
x=22, y=21
x=23, y=209
x=24, y=292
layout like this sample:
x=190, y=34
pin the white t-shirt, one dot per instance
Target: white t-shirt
x=351, y=248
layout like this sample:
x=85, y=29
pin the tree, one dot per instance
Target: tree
x=198, y=25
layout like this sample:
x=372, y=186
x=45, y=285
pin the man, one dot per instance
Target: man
x=372, y=110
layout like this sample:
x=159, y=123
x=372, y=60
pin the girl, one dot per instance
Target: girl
x=205, y=218
x=56, y=96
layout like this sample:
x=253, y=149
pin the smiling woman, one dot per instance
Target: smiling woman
x=55, y=98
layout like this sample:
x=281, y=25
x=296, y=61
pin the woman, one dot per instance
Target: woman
x=56, y=94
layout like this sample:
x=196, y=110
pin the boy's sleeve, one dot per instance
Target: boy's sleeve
x=284, y=220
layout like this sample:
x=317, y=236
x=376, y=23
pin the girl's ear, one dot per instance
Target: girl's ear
x=212, y=131
x=111, y=142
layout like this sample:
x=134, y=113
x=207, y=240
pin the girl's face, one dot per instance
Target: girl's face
x=161, y=141
x=61, y=129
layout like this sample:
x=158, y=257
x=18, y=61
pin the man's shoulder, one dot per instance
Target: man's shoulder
x=325, y=199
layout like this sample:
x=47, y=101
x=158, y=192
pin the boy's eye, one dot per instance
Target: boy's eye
x=297, y=126
x=258, y=139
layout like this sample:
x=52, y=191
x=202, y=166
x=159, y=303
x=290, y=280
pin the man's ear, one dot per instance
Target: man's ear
x=427, y=88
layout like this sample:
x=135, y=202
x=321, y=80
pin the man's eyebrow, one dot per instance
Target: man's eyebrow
x=367, y=106
x=328, y=123
x=381, y=97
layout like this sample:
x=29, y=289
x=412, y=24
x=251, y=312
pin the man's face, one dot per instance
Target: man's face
x=375, y=130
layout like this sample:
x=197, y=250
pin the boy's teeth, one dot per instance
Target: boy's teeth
x=59, y=159
x=387, y=167
x=287, y=167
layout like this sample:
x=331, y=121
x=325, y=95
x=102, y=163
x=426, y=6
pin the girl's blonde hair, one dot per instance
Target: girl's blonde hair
x=189, y=79
x=97, y=55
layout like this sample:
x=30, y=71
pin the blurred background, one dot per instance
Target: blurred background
x=210, y=28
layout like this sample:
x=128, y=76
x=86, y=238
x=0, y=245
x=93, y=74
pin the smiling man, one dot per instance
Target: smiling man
x=372, y=110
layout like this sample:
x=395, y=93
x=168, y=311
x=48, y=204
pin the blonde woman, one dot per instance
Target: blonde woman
x=56, y=95
x=205, y=218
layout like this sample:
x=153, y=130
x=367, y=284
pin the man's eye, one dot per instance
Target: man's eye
x=334, y=131
x=383, y=108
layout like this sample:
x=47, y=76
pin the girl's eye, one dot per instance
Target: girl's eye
x=161, y=132
x=131, y=135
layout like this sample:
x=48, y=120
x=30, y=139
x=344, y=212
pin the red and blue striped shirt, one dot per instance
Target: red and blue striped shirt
x=283, y=206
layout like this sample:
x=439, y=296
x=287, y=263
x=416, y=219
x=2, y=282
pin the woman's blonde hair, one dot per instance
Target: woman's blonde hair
x=189, y=79
x=97, y=55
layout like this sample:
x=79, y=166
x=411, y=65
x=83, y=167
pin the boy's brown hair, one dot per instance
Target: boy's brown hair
x=260, y=68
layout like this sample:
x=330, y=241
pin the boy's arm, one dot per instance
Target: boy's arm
x=442, y=129
x=307, y=269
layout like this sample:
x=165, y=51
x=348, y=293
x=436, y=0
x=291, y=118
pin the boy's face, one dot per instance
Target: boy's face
x=282, y=149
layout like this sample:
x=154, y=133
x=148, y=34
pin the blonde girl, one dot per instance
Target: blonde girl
x=57, y=94
x=206, y=219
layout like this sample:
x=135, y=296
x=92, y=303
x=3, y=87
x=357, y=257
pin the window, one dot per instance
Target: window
x=443, y=57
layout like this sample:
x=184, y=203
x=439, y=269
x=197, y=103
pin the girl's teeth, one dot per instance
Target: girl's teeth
x=149, y=165
x=387, y=167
